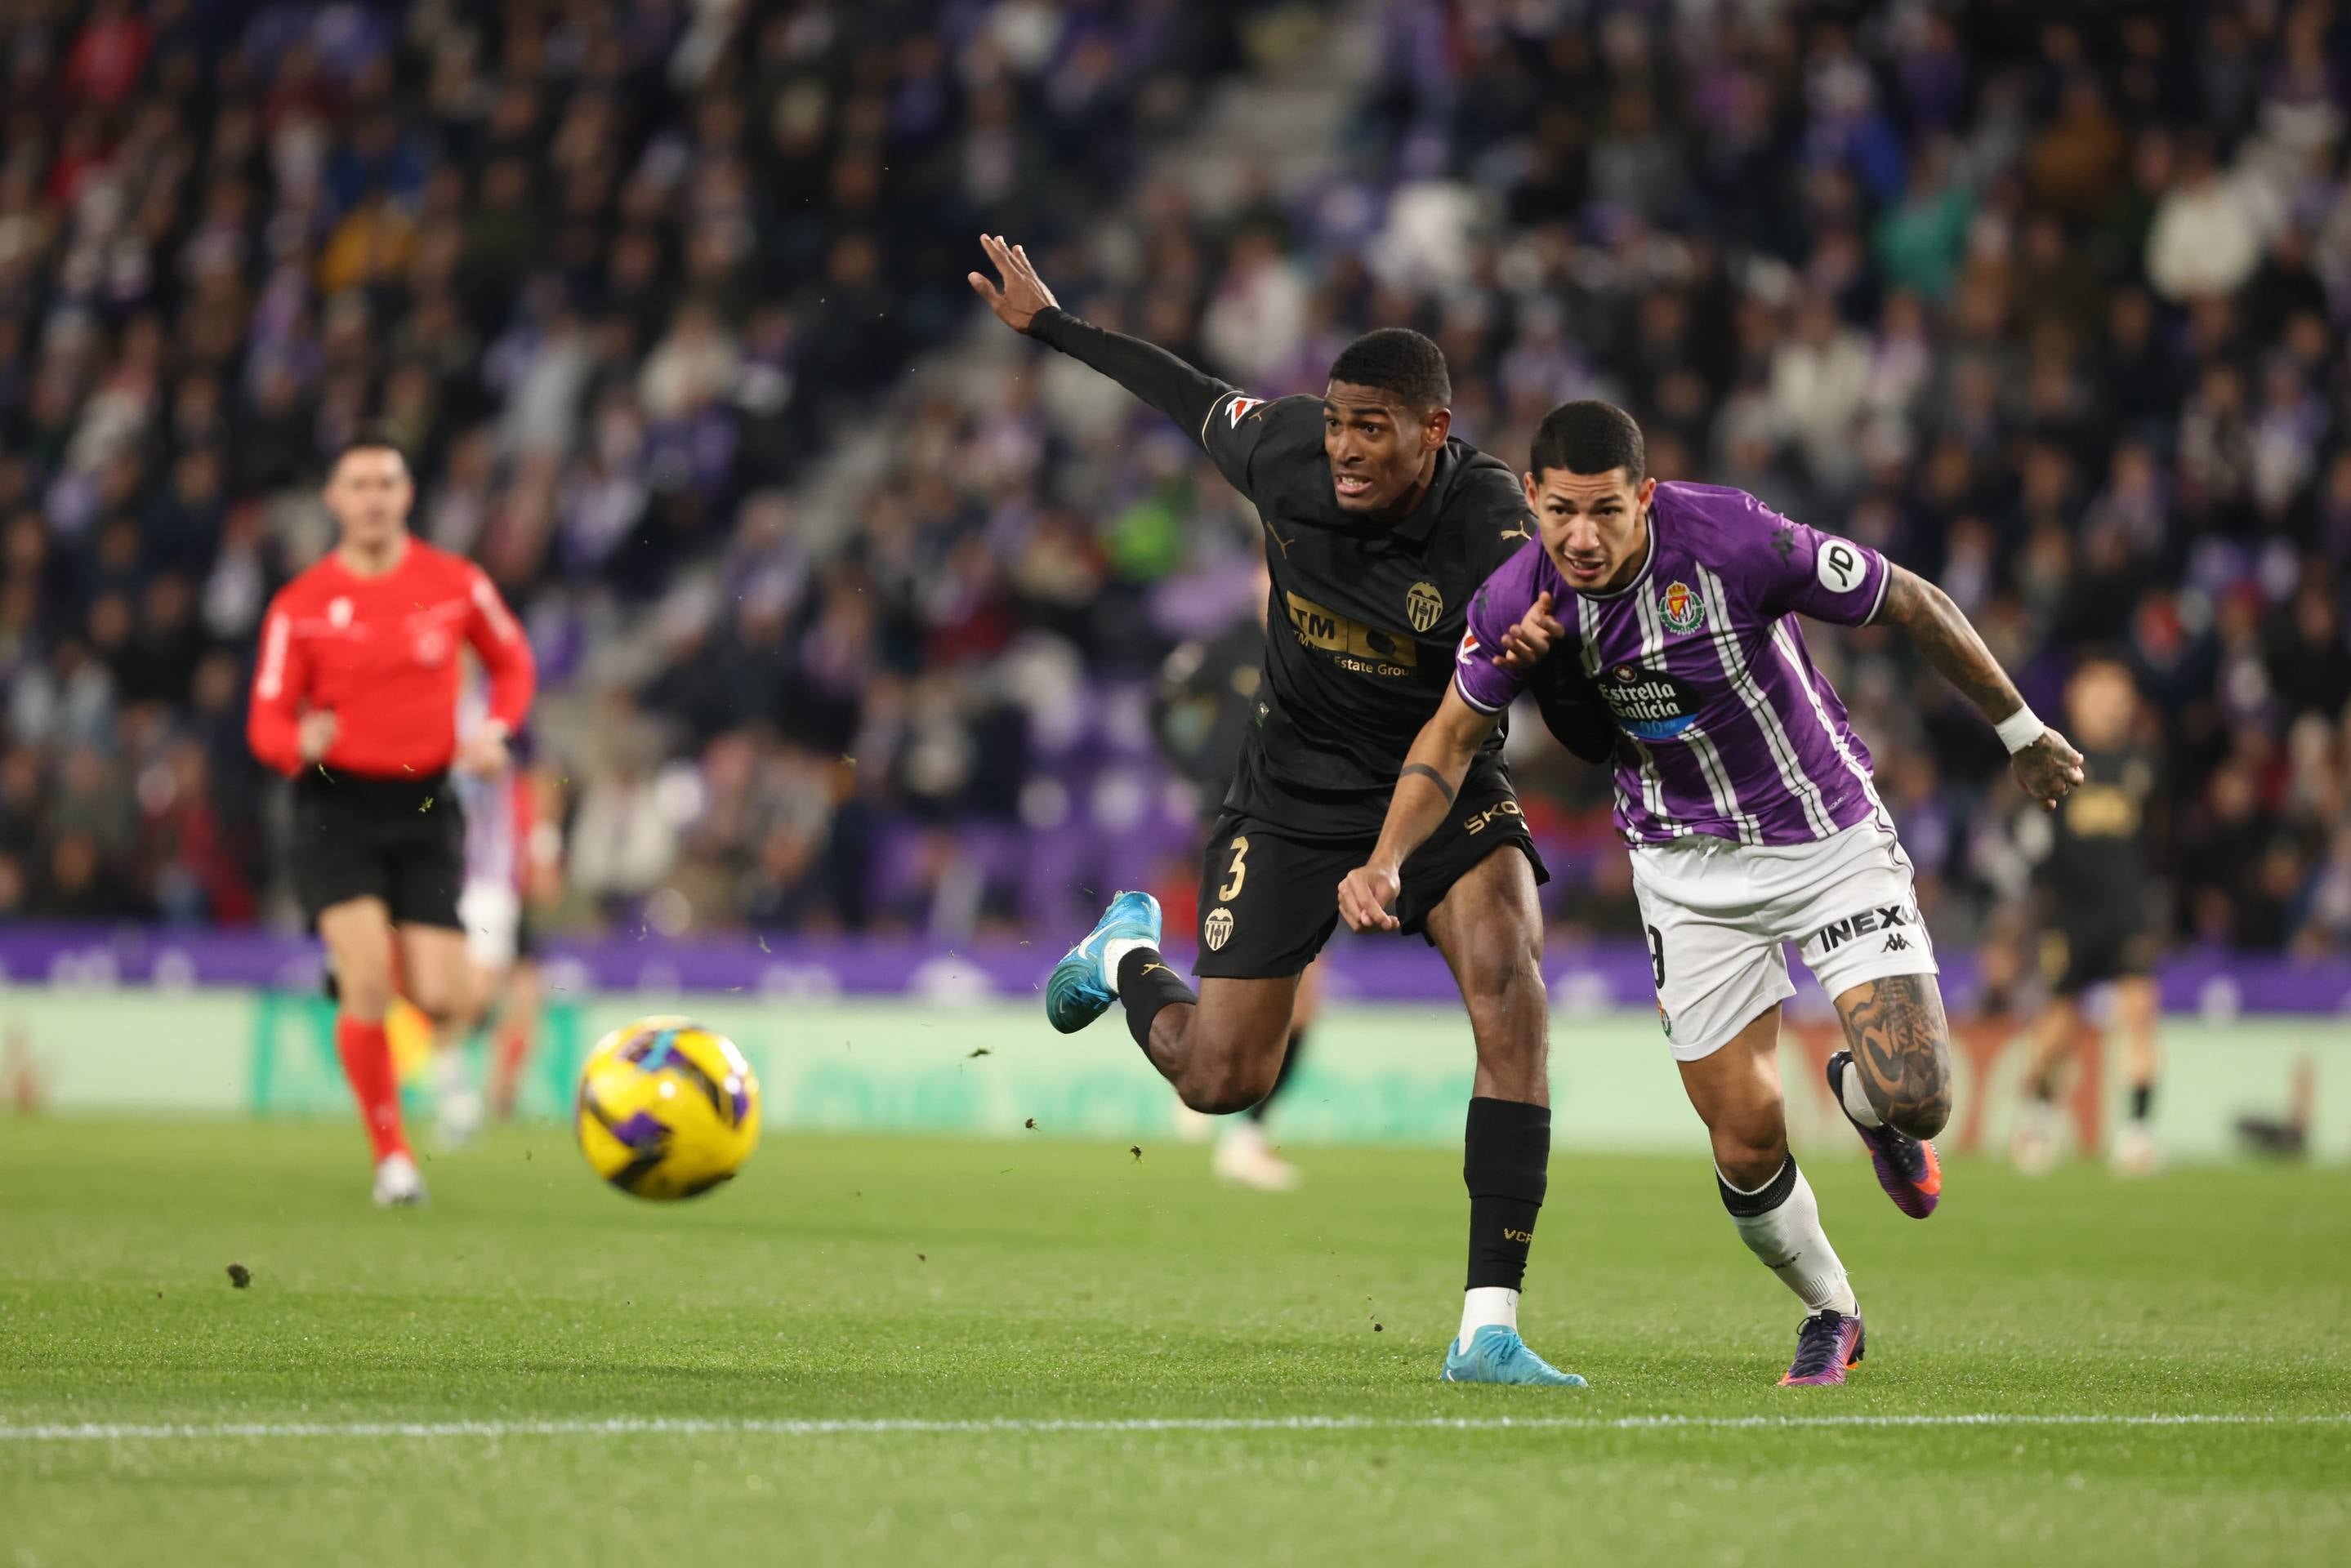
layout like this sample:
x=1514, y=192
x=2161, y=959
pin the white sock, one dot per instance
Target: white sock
x=450, y=1070
x=1116, y=949
x=1789, y=1240
x=1485, y=1304
x=1856, y=1101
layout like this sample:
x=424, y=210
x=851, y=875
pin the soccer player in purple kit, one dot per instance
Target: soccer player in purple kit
x=1748, y=805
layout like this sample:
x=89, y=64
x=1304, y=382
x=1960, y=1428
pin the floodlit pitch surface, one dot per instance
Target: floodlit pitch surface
x=1029, y=1351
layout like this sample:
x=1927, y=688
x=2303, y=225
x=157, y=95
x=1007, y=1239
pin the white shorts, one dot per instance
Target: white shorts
x=1717, y=911
x=492, y=912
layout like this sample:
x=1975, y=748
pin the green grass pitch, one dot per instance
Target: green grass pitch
x=846, y=1282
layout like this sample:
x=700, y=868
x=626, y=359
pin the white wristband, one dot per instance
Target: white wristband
x=2020, y=730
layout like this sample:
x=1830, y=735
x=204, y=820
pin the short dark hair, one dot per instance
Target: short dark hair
x=367, y=438
x=1590, y=437
x=1396, y=359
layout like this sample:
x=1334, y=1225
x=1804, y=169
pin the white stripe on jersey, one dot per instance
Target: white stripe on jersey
x=1792, y=775
x=1701, y=745
x=494, y=609
x=1592, y=672
x=273, y=656
x=1795, y=663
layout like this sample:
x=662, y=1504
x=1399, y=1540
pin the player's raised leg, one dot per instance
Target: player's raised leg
x=1489, y=929
x=358, y=934
x=1894, y=1082
x=1736, y=1090
x=440, y=983
x=1265, y=910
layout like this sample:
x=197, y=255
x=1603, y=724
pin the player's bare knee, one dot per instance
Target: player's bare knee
x=365, y=996
x=1503, y=987
x=440, y=1007
x=1750, y=1147
x=1219, y=1089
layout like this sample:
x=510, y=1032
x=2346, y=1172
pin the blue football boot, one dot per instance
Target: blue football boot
x=1081, y=989
x=1497, y=1354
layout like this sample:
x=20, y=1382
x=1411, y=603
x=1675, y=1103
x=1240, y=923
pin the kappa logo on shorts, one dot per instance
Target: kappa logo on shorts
x=1681, y=609
x=1217, y=928
x=1894, y=944
x=1836, y=933
x=1423, y=606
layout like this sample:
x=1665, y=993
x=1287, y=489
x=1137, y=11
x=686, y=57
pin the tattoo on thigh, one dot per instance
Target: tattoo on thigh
x=1902, y=1044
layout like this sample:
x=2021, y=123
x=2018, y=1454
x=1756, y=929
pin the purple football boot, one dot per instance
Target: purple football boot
x=1907, y=1166
x=1828, y=1345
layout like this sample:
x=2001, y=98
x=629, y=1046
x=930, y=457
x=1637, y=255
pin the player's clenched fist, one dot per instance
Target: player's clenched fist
x=1367, y=895
x=2049, y=769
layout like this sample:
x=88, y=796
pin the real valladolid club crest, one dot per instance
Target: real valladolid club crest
x=1423, y=603
x=1681, y=609
x=1217, y=928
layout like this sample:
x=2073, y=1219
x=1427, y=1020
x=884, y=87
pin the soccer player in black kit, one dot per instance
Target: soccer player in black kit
x=1202, y=710
x=2096, y=884
x=1379, y=527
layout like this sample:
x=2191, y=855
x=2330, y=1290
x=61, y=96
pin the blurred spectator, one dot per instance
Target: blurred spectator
x=2052, y=307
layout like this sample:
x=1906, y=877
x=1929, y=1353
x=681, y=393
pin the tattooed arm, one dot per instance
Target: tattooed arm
x=2050, y=767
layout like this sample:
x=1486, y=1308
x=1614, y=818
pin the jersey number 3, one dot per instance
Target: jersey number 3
x=1237, y=873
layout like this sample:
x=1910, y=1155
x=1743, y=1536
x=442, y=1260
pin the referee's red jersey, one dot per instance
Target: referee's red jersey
x=381, y=654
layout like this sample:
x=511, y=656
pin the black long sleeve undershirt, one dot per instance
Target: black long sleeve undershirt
x=1182, y=392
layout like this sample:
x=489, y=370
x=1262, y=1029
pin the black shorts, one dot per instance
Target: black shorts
x=1269, y=900
x=399, y=840
x=2072, y=959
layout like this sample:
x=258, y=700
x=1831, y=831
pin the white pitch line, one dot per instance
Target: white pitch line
x=626, y=1425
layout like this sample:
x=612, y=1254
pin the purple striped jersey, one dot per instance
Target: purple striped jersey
x=493, y=843
x=1724, y=726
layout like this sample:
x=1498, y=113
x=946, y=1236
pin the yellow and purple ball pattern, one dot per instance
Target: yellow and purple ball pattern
x=667, y=1108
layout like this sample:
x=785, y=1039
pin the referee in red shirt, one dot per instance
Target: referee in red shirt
x=355, y=698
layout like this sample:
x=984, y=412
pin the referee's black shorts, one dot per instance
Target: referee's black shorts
x=401, y=840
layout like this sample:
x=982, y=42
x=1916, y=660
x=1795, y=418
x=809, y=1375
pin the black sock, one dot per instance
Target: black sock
x=1145, y=984
x=2142, y=1098
x=1290, y=1053
x=1506, y=1163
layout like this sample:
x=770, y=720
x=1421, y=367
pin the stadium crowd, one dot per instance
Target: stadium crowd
x=2049, y=300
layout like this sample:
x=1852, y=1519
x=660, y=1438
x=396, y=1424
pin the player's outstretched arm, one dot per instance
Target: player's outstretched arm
x=1432, y=771
x=2046, y=763
x=1022, y=301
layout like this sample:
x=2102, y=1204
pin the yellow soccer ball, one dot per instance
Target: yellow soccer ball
x=667, y=1108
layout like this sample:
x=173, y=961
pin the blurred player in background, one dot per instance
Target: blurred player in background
x=1747, y=802
x=2097, y=892
x=355, y=698
x=1201, y=712
x=512, y=863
